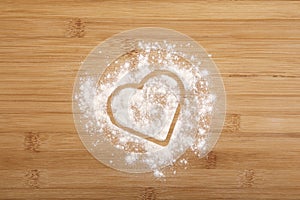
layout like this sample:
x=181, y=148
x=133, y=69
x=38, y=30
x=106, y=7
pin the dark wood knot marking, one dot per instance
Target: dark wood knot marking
x=243, y=75
x=246, y=178
x=211, y=160
x=32, y=141
x=148, y=194
x=128, y=44
x=232, y=123
x=75, y=28
x=284, y=76
x=32, y=178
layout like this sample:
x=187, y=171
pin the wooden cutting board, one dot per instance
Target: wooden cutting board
x=255, y=44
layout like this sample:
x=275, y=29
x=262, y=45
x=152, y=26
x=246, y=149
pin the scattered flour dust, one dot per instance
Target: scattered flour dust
x=150, y=109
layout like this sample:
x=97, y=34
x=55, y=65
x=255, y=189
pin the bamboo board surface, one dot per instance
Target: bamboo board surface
x=256, y=46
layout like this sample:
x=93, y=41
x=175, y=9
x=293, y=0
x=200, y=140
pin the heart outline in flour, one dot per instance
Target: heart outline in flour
x=140, y=86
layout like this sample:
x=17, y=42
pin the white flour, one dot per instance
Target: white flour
x=150, y=109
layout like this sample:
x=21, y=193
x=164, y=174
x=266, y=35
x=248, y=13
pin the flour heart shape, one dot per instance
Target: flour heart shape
x=148, y=109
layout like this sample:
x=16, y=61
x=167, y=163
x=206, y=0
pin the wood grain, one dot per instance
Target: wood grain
x=255, y=44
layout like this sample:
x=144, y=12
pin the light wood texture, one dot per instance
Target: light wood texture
x=255, y=44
